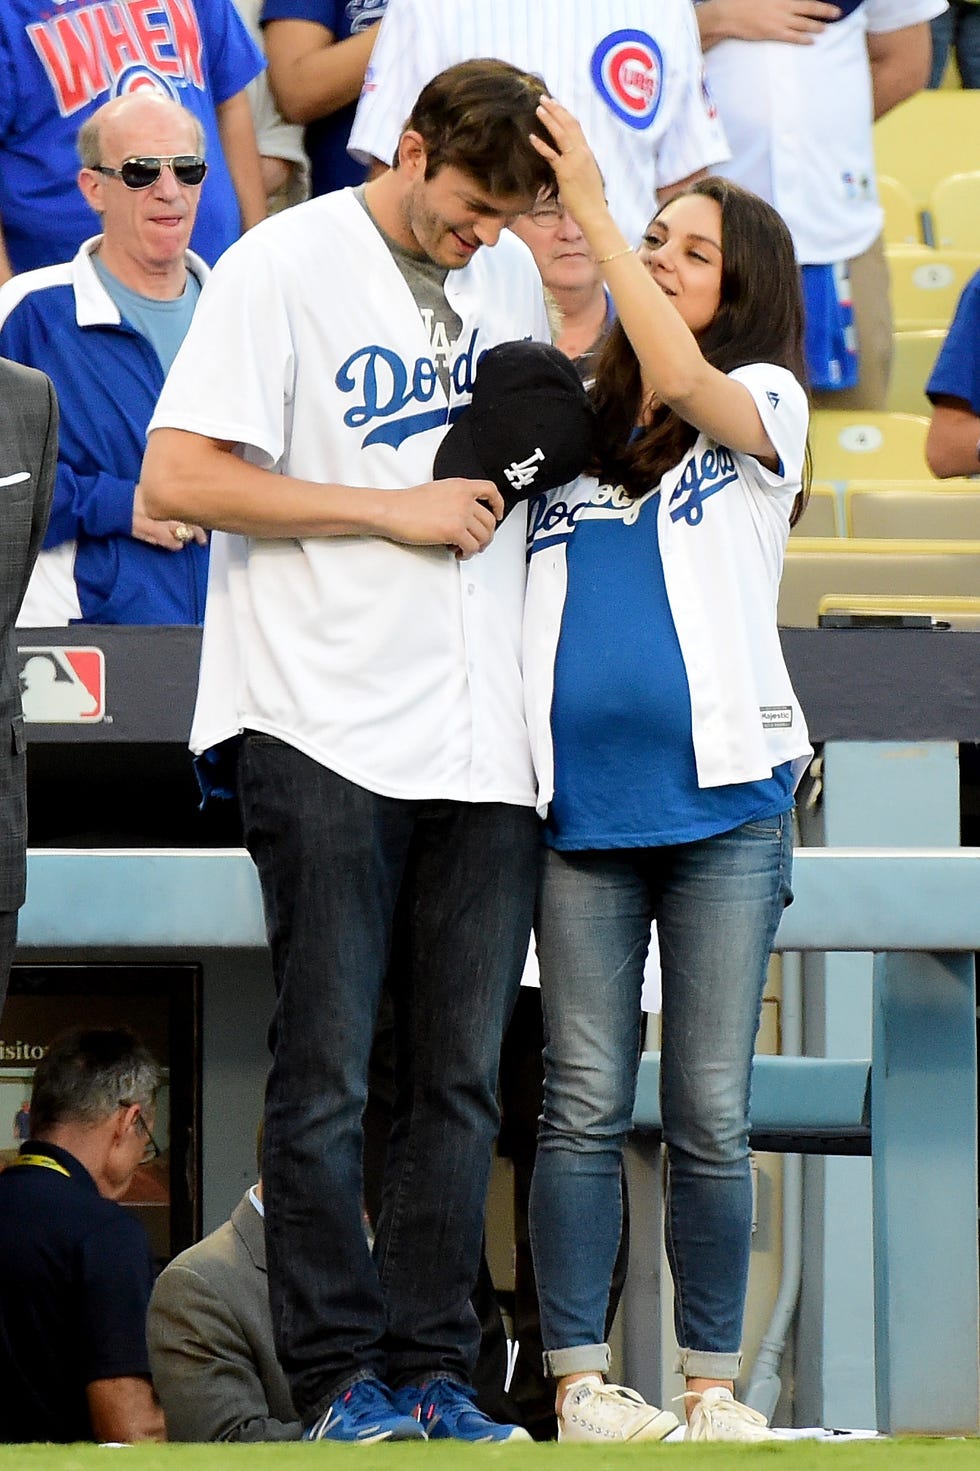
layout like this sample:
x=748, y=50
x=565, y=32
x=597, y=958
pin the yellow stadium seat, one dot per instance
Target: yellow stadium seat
x=857, y=443
x=926, y=284
x=927, y=137
x=913, y=359
x=945, y=612
x=946, y=509
x=903, y=223
x=816, y=567
x=955, y=211
x=821, y=517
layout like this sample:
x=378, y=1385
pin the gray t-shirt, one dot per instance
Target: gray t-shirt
x=426, y=280
x=163, y=323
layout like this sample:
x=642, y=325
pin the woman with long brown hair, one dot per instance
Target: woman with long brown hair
x=660, y=705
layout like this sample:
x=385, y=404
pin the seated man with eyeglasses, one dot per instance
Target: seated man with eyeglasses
x=105, y=327
x=571, y=279
x=75, y=1267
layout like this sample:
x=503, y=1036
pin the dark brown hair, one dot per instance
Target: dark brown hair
x=759, y=320
x=476, y=117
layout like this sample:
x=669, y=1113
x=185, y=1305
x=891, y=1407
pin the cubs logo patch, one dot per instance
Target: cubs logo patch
x=62, y=686
x=628, y=73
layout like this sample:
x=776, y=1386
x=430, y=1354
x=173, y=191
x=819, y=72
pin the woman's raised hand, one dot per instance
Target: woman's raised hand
x=577, y=173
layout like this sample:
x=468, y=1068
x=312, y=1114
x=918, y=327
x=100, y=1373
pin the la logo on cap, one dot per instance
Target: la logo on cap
x=528, y=427
x=522, y=476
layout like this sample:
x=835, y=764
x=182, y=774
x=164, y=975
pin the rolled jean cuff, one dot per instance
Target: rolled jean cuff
x=698, y=1363
x=585, y=1358
x=341, y=1387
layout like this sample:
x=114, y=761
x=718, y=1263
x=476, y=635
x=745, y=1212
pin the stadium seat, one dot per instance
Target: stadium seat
x=821, y=516
x=941, y=508
x=927, y=137
x=926, y=284
x=955, y=211
x=960, y=613
x=860, y=444
x=903, y=222
x=818, y=566
x=913, y=359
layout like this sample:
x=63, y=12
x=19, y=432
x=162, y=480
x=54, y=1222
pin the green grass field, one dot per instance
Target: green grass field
x=857, y=1455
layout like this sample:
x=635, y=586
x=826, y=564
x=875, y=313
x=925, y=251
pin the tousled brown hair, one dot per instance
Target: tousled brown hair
x=476, y=116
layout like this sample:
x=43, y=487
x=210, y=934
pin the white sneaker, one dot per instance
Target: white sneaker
x=596, y=1411
x=717, y=1415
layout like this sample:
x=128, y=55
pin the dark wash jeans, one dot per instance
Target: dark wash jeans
x=438, y=896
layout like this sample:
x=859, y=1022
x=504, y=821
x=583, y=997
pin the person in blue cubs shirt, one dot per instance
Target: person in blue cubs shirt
x=60, y=62
x=659, y=700
x=75, y=1267
x=318, y=52
x=105, y=327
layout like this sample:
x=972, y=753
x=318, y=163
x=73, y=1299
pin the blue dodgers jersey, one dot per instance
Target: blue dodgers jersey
x=331, y=166
x=625, y=774
x=60, y=62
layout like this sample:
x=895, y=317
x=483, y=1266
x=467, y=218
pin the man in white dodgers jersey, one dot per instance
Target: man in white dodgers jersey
x=362, y=647
x=632, y=72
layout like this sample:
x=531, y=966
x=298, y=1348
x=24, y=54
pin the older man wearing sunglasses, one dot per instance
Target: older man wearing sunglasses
x=105, y=327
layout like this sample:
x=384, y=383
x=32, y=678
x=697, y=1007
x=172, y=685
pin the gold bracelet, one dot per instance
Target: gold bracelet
x=601, y=260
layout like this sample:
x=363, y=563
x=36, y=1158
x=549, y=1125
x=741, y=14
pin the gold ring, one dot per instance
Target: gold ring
x=183, y=533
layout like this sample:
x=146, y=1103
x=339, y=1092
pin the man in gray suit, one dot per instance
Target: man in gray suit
x=209, y=1331
x=28, y=458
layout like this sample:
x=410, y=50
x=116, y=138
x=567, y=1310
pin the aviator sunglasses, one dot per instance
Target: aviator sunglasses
x=140, y=173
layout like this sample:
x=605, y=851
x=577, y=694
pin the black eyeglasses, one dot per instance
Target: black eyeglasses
x=152, y=1150
x=547, y=214
x=140, y=173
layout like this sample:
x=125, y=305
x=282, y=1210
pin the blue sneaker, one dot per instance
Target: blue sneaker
x=446, y=1411
x=367, y=1413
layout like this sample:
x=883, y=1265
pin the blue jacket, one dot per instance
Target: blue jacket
x=108, y=378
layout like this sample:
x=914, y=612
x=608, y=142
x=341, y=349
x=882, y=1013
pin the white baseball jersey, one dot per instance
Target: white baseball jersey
x=631, y=71
x=723, y=524
x=799, y=120
x=398, y=667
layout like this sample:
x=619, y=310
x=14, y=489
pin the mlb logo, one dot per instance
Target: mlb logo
x=62, y=686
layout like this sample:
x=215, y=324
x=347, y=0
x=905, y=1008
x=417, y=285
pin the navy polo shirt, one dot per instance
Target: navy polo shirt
x=75, y=1279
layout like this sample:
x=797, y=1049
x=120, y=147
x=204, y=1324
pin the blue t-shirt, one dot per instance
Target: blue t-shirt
x=625, y=774
x=331, y=166
x=162, y=323
x=957, y=370
x=60, y=63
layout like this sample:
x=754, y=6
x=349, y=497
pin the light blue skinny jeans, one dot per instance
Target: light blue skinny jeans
x=717, y=903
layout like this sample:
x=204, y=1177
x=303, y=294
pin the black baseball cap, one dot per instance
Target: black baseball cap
x=528, y=427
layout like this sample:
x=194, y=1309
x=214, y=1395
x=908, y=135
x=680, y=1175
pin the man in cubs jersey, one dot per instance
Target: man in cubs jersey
x=799, y=89
x=630, y=71
x=362, y=657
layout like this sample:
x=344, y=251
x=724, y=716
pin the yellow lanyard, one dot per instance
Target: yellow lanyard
x=43, y=1160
